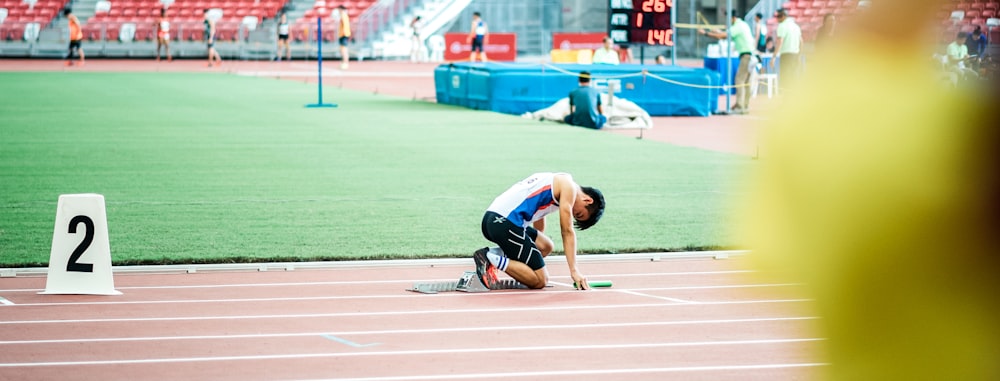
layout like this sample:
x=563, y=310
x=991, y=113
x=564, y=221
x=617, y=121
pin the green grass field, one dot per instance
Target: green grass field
x=206, y=168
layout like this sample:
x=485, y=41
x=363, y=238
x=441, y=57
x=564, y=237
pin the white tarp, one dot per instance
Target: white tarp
x=622, y=113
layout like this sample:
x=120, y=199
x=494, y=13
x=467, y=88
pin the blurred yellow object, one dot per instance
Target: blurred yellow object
x=878, y=189
x=563, y=55
x=580, y=56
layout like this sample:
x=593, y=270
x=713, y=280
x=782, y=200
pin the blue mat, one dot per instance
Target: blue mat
x=519, y=88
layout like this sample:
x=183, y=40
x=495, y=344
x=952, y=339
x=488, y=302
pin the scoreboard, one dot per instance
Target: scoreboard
x=641, y=21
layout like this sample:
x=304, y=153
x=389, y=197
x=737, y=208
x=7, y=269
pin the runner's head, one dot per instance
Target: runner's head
x=593, y=208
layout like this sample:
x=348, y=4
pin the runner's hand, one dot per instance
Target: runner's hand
x=579, y=280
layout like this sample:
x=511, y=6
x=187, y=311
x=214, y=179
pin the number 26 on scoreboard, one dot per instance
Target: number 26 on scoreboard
x=656, y=5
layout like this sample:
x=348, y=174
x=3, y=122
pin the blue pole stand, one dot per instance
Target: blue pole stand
x=319, y=40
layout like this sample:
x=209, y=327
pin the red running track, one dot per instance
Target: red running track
x=693, y=319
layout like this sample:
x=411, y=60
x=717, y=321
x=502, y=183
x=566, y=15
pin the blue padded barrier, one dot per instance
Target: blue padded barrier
x=519, y=88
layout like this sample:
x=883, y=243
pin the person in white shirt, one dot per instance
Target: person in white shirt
x=607, y=53
x=786, y=48
x=283, y=39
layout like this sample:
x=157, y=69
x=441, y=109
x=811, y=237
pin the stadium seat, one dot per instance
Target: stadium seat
x=250, y=23
x=92, y=30
x=126, y=32
x=31, y=31
x=3, y=15
x=989, y=13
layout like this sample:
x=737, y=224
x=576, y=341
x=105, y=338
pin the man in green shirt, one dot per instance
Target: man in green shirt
x=786, y=47
x=743, y=44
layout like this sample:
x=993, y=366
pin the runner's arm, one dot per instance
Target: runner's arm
x=567, y=196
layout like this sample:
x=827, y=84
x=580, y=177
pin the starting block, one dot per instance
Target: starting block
x=469, y=282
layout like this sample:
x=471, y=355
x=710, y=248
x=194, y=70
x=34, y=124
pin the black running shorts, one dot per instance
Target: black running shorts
x=517, y=243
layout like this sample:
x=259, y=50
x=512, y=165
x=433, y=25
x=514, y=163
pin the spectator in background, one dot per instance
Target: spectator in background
x=760, y=32
x=213, y=55
x=826, y=30
x=958, y=54
x=743, y=43
x=606, y=54
x=786, y=48
x=976, y=43
x=478, y=37
x=163, y=34
x=585, y=109
x=625, y=54
x=661, y=60
x=75, y=37
x=344, y=35
x=416, y=43
x=283, y=38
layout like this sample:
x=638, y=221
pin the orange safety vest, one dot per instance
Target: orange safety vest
x=75, y=33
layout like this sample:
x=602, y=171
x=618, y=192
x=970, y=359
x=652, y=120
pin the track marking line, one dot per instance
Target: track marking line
x=347, y=342
x=404, y=281
x=417, y=330
x=382, y=296
x=580, y=372
x=551, y=348
x=667, y=298
x=6, y=302
x=397, y=313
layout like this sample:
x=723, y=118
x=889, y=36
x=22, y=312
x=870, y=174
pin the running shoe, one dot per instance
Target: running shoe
x=486, y=271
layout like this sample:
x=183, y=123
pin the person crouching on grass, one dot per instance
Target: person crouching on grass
x=516, y=222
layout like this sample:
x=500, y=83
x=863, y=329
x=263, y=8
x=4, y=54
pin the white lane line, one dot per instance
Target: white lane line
x=6, y=302
x=667, y=298
x=404, y=281
x=383, y=296
x=581, y=372
x=399, y=313
x=416, y=331
x=552, y=348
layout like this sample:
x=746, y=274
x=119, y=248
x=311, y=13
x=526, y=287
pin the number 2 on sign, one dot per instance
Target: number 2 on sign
x=656, y=5
x=88, y=237
x=660, y=37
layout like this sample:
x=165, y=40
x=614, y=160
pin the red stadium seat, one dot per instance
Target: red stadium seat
x=92, y=31
x=144, y=32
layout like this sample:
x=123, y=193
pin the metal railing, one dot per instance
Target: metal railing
x=378, y=17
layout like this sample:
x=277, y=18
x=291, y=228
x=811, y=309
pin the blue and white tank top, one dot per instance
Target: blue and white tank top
x=481, y=28
x=527, y=201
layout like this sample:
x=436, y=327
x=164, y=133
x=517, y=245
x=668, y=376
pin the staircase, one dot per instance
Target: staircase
x=394, y=40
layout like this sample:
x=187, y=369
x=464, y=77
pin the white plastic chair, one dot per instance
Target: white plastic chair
x=31, y=31
x=250, y=23
x=102, y=6
x=3, y=14
x=957, y=16
x=127, y=32
x=215, y=14
x=436, y=45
